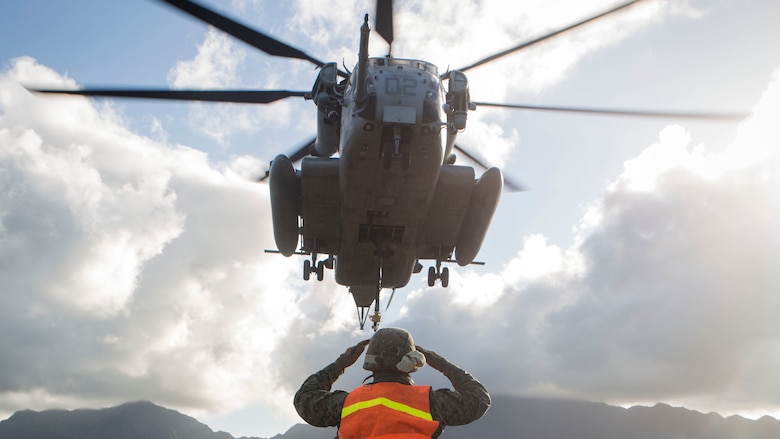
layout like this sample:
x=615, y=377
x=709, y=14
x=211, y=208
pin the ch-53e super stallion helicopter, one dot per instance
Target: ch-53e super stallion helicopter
x=393, y=197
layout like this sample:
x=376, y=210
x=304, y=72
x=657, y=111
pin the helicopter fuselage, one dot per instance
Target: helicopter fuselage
x=391, y=155
x=390, y=199
x=392, y=196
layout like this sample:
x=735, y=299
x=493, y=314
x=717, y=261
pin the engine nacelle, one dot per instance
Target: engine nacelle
x=482, y=206
x=285, y=187
x=327, y=96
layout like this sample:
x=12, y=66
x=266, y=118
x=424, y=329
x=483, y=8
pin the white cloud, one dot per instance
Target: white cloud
x=426, y=30
x=668, y=295
x=215, y=65
x=332, y=32
x=139, y=265
x=219, y=64
x=488, y=137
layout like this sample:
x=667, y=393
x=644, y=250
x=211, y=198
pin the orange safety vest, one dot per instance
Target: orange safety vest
x=387, y=410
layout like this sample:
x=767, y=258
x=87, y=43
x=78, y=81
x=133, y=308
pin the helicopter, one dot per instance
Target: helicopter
x=378, y=189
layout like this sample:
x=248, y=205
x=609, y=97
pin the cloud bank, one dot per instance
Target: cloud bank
x=669, y=294
x=117, y=281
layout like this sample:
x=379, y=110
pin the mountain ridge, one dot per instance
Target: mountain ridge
x=520, y=417
x=131, y=420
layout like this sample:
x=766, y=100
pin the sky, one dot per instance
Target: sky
x=639, y=267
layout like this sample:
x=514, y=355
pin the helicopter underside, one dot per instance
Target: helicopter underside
x=377, y=222
x=388, y=201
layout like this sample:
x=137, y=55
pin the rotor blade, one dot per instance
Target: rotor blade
x=297, y=155
x=698, y=115
x=254, y=38
x=238, y=96
x=510, y=185
x=545, y=37
x=384, y=20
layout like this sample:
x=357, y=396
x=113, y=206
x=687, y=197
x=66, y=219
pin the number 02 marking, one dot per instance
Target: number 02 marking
x=396, y=86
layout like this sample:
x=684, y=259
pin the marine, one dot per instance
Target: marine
x=391, y=404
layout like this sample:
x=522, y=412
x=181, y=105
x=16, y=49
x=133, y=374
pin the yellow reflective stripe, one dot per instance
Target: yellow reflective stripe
x=346, y=411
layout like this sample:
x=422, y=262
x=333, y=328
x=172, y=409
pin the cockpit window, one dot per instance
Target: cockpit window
x=413, y=63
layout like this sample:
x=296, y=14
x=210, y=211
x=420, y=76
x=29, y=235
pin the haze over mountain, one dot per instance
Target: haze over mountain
x=508, y=417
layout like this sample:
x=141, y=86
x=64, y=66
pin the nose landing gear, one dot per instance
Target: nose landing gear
x=396, y=148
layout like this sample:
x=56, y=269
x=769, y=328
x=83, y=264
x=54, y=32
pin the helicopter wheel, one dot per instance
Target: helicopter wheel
x=445, y=277
x=406, y=160
x=387, y=156
x=306, y=269
x=431, y=276
x=320, y=271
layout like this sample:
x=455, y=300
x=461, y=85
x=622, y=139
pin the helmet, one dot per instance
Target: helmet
x=392, y=349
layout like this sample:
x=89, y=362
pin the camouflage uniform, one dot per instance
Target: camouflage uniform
x=320, y=407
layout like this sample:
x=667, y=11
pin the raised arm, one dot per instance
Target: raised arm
x=466, y=403
x=314, y=401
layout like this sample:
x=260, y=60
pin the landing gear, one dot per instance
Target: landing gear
x=318, y=268
x=406, y=159
x=396, y=151
x=389, y=154
x=438, y=273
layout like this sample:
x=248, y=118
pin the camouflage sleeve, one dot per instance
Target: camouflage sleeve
x=467, y=403
x=314, y=401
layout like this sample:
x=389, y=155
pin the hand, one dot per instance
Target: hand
x=351, y=355
x=433, y=359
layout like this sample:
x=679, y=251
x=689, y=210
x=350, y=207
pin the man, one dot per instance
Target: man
x=391, y=404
